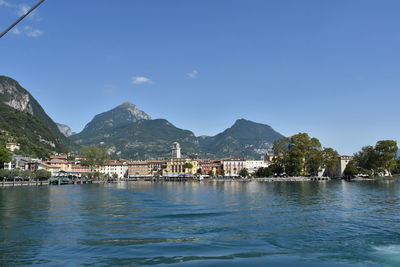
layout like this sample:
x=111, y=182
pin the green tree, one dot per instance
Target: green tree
x=244, y=173
x=27, y=174
x=367, y=161
x=187, y=166
x=211, y=173
x=386, y=151
x=42, y=174
x=5, y=156
x=264, y=172
x=351, y=169
x=330, y=161
x=280, y=146
x=94, y=157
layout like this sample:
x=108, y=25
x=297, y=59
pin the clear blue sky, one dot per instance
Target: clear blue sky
x=329, y=68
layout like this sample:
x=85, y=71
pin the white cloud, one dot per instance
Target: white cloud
x=23, y=8
x=141, y=80
x=16, y=31
x=31, y=32
x=193, y=74
x=5, y=3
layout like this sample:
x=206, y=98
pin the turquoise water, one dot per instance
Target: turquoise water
x=333, y=223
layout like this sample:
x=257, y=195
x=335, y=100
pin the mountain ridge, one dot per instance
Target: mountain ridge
x=42, y=135
x=143, y=137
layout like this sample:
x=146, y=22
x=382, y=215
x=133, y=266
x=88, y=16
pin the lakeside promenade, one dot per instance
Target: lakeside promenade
x=17, y=182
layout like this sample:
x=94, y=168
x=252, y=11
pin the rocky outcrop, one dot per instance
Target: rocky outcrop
x=65, y=129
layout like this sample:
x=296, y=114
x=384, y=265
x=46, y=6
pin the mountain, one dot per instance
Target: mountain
x=244, y=139
x=128, y=132
x=14, y=96
x=65, y=129
x=35, y=138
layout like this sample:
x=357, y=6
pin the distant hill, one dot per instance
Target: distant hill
x=43, y=134
x=126, y=131
x=244, y=139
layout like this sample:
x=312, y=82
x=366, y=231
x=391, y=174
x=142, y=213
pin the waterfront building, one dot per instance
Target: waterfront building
x=341, y=164
x=176, y=150
x=53, y=169
x=115, y=168
x=138, y=169
x=232, y=167
x=175, y=167
x=156, y=167
x=210, y=166
x=253, y=165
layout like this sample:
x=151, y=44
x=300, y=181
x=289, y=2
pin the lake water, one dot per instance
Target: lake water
x=333, y=223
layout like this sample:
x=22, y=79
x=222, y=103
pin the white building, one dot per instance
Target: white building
x=118, y=168
x=253, y=165
x=176, y=150
x=342, y=164
x=232, y=167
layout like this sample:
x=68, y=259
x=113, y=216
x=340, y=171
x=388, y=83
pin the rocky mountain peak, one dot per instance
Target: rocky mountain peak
x=65, y=129
x=136, y=113
x=13, y=96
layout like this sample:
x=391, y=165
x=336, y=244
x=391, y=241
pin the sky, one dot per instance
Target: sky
x=329, y=68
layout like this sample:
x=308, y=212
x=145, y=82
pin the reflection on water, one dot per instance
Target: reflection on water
x=335, y=223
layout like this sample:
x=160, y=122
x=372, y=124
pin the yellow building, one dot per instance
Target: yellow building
x=176, y=167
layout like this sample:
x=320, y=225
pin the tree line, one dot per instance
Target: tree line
x=379, y=160
x=302, y=155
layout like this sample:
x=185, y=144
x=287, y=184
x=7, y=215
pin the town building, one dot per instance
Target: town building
x=342, y=164
x=115, y=168
x=156, y=167
x=176, y=167
x=210, y=167
x=138, y=169
x=253, y=165
x=176, y=150
x=232, y=167
x=53, y=169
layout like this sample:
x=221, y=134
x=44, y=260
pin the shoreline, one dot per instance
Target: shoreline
x=158, y=180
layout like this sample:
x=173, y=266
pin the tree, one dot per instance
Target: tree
x=187, y=166
x=351, y=169
x=330, y=161
x=94, y=157
x=244, y=173
x=264, y=172
x=280, y=146
x=42, y=174
x=211, y=173
x=367, y=160
x=5, y=156
x=27, y=174
x=386, y=151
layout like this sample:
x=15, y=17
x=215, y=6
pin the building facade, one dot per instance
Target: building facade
x=115, y=168
x=176, y=167
x=232, y=167
x=138, y=169
x=253, y=165
x=342, y=164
